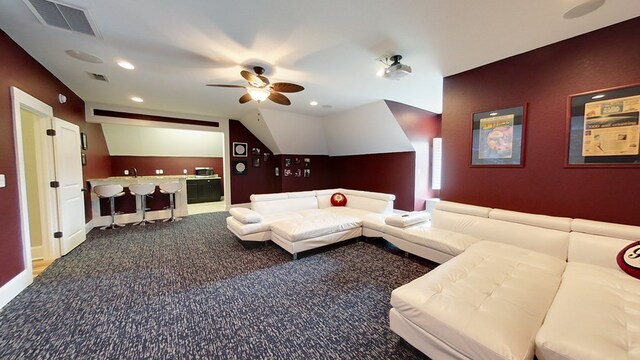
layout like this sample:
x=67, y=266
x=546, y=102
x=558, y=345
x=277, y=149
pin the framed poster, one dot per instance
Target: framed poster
x=603, y=128
x=497, y=137
x=240, y=149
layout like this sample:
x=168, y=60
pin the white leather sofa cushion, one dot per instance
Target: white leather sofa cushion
x=369, y=219
x=596, y=249
x=545, y=221
x=486, y=303
x=268, y=197
x=285, y=205
x=315, y=226
x=628, y=232
x=265, y=225
x=245, y=216
x=595, y=315
x=449, y=242
x=547, y=241
x=324, y=197
x=406, y=220
x=460, y=208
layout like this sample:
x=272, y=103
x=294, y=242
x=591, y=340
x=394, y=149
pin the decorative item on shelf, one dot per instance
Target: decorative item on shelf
x=84, y=144
x=83, y=159
x=287, y=162
x=240, y=149
x=307, y=172
x=498, y=137
x=602, y=127
x=266, y=156
x=256, y=162
x=240, y=168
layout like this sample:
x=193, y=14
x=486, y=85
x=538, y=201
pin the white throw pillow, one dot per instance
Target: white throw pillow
x=407, y=219
x=245, y=216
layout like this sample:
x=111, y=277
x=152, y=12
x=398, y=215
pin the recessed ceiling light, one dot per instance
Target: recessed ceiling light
x=597, y=96
x=137, y=99
x=493, y=114
x=313, y=103
x=84, y=56
x=583, y=9
x=126, y=65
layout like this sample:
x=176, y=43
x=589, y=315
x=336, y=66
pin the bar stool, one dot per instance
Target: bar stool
x=143, y=190
x=111, y=192
x=171, y=188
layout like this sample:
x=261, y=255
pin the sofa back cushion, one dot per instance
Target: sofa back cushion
x=267, y=204
x=356, y=199
x=544, y=240
x=598, y=243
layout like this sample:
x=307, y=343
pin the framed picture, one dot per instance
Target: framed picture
x=288, y=172
x=497, y=137
x=240, y=168
x=256, y=162
x=307, y=172
x=255, y=151
x=83, y=141
x=287, y=162
x=265, y=156
x=307, y=162
x=83, y=159
x=298, y=173
x=603, y=128
x=240, y=149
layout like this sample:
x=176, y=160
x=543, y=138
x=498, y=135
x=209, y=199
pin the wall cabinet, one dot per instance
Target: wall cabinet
x=203, y=190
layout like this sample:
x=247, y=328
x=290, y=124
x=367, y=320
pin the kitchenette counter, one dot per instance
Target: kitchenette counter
x=101, y=219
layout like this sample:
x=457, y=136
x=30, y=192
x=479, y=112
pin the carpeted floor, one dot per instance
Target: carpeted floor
x=191, y=290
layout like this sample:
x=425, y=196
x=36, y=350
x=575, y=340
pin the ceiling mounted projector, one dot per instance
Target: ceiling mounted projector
x=396, y=70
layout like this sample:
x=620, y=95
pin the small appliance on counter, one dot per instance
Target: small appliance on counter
x=204, y=172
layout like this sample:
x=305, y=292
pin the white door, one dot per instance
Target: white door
x=68, y=172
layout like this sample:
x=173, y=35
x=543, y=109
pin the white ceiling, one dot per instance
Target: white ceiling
x=329, y=46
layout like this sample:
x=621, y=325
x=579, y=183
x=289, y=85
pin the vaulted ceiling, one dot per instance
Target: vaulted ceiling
x=330, y=47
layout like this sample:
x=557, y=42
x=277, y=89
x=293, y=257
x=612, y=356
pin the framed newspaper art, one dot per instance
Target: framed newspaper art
x=603, y=128
x=498, y=136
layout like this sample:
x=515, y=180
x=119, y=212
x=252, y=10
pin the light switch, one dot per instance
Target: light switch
x=184, y=171
x=126, y=172
x=3, y=182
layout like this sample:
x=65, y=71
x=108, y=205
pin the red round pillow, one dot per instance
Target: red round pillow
x=629, y=259
x=338, y=199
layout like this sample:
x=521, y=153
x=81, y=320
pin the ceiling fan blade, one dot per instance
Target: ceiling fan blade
x=254, y=79
x=245, y=98
x=286, y=87
x=279, y=99
x=227, y=86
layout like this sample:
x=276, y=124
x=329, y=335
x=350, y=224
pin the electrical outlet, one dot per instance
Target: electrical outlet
x=3, y=181
x=157, y=172
x=161, y=171
x=126, y=172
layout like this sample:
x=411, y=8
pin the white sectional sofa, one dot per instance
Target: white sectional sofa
x=515, y=285
x=304, y=220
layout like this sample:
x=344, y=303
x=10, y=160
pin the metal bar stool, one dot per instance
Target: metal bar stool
x=171, y=188
x=143, y=190
x=111, y=192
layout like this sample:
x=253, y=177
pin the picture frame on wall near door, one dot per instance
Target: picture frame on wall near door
x=498, y=137
x=84, y=143
x=603, y=128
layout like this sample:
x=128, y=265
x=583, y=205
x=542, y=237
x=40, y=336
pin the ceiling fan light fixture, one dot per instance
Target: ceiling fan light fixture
x=258, y=94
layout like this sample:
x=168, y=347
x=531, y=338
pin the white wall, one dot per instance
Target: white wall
x=255, y=123
x=369, y=129
x=296, y=133
x=150, y=141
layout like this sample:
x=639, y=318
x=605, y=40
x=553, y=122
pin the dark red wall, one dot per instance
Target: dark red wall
x=391, y=173
x=258, y=180
x=544, y=78
x=320, y=174
x=171, y=165
x=19, y=69
x=419, y=125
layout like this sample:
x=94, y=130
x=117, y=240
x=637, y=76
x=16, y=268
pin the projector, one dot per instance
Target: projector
x=396, y=71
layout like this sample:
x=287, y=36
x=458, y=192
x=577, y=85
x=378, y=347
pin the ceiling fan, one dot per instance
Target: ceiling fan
x=260, y=89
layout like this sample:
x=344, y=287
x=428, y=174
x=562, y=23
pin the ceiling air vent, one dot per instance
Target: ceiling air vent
x=99, y=77
x=62, y=16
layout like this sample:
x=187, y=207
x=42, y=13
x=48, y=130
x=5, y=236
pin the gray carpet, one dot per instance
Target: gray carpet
x=191, y=290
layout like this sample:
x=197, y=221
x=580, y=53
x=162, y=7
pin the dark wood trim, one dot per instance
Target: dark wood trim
x=126, y=115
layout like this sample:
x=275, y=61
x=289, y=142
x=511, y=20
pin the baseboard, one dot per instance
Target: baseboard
x=88, y=226
x=244, y=205
x=12, y=288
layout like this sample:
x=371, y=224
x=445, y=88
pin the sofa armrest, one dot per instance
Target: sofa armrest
x=406, y=220
x=245, y=216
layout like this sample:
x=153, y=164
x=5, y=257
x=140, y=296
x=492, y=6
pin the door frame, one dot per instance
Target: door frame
x=22, y=100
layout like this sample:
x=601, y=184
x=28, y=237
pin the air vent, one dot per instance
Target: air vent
x=99, y=77
x=62, y=16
